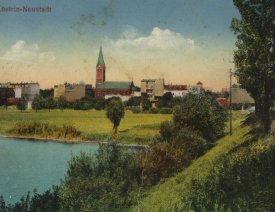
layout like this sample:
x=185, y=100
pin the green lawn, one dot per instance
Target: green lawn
x=134, y=128
x=177, y=192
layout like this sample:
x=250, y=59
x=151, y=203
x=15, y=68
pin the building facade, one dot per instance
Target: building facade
x=100, y=68
x=26, y=89
x=153, y=88
x=108, y=89
x=176, y=90
x=72, y=92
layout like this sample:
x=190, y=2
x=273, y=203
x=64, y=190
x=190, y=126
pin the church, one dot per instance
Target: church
x=108, y=89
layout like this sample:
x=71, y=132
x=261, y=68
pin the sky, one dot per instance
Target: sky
x=182, y=41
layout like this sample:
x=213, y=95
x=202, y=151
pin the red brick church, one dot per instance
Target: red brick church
x=110, y=88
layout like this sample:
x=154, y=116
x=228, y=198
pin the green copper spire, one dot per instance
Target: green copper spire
x=100, y=60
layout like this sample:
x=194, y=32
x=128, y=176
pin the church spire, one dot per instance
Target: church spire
x=100, y=60
x=100, y=68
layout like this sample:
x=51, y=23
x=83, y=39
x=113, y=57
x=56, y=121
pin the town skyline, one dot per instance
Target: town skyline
x=181, y=41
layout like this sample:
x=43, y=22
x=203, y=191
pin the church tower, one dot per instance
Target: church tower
x=100, y=68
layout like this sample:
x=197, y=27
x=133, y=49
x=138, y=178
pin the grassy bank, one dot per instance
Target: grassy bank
x=93, y=125
x=237, y=174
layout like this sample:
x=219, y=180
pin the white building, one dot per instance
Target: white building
x=176, y=90
x=123, y=98
x=28, y=90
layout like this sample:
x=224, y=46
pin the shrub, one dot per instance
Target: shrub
x=22, y=104
x=165, y=159
x=153, y=110
x=136, y=109
x=202, y=113
x=166, y=110
x=107, y=181
x=48, y=201
x=44, y=129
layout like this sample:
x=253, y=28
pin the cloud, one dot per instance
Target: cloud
x=158, y=39
x=22, y=52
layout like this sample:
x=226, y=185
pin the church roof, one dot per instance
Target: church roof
x=118, y=85
x=100, y=60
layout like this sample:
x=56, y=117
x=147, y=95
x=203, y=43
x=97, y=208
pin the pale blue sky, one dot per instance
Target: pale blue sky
x=181, y=40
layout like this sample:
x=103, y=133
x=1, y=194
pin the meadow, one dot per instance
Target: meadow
x=235, y=175
x=93, y=125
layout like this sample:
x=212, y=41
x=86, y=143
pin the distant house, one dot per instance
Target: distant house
x=176, y=90
x=73, y=92
x=241, y=96
x=154, y=88
x=223, y=102
x=26, y=89
x=6, y=93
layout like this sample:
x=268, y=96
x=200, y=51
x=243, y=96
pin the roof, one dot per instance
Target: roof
x=175, y=87
x=100, y=60
x=199, y=83
x=115, y=85
x=241, y=96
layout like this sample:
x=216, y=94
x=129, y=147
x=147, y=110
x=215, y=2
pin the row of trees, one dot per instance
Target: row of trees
x=50, y=103
x=255, y=55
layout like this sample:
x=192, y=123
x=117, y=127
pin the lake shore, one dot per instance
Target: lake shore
x=70, y=141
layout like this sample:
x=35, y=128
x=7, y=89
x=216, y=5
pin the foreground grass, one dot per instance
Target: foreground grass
x=201, y=184
x=134, y=128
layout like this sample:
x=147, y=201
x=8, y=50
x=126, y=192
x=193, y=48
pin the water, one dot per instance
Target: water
x=25, y=165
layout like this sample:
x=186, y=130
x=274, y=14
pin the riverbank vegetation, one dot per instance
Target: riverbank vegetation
x=93, y=124
x=45, y=130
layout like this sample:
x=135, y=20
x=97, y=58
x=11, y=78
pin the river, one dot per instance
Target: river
x=26, y=164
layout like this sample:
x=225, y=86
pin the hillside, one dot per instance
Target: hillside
x=238, y=173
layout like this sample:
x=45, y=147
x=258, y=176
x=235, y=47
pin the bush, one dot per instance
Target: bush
x=165, y=110
x=22, y=104
x=153, y=110
x=165, y=159
x=197, y=122
x=48, y=201
x=107, y=181
x=136, y=109
x=242, y=180
x=44, y=129
x=202, y=113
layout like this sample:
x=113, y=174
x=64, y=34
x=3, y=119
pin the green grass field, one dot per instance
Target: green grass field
x=177, y=193
x=134, y=128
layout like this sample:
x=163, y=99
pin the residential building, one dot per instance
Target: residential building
x=73, y=92
x=154, y=88
x=241, y=96
x=26, y=89
x=176, y=90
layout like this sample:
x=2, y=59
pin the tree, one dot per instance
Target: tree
x=61, y=103
x=46, y=93
x=133, y=101
x=145, y=103
x=202, y=113
x=115, y=112
x=22, y=104
x=37, y=103
x=50, y=103
x=106, y=181
x=165, y=100
x=255, y=54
